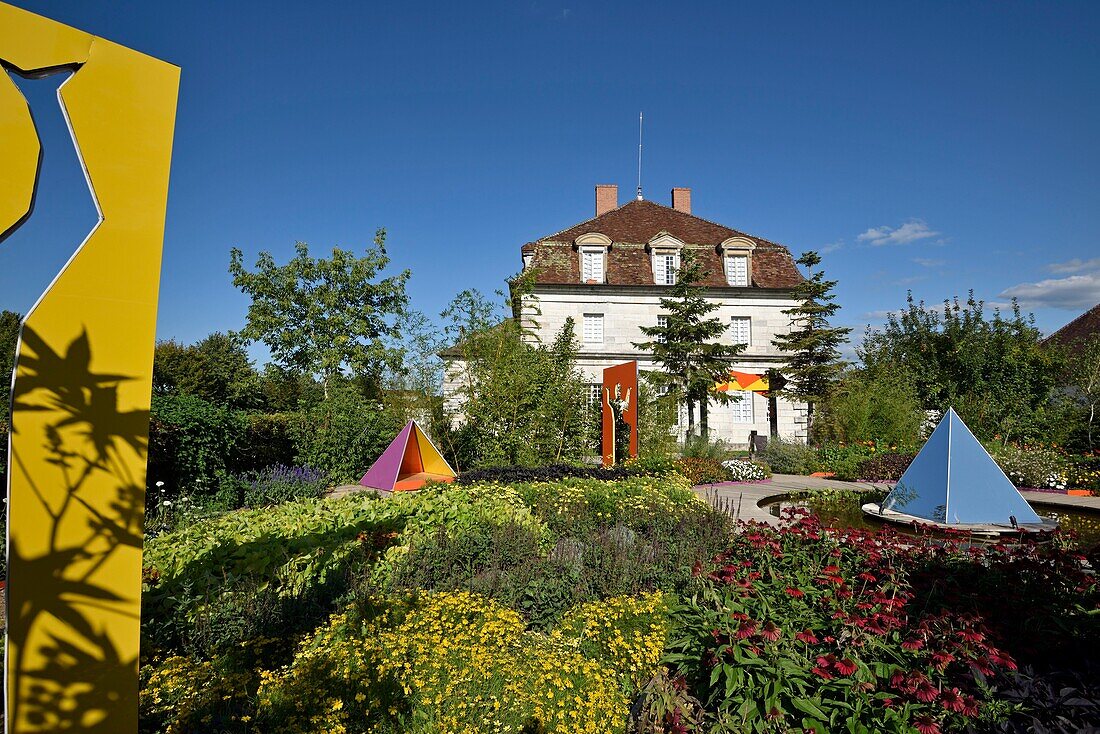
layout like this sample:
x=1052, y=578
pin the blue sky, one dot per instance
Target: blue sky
x=938, y=147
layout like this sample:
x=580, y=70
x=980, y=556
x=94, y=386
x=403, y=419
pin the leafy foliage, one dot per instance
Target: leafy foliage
x=343, y=435
x=685, y=347
x=9, y=338
x=872, y=405
x=789, y=457
x=322, y=316
x=519, y=404
x=885, y=467
x=829, y=630
x=216, y=369
x=993, y=370
x=191, y=442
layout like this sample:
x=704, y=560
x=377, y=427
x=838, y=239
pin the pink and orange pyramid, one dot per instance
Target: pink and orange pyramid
x=410, y=461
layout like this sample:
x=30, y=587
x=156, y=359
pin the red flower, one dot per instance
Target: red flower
x=770, y=632
x=746, y=629
x=845, y=667
x=822, y=672
x=796, y=593
x=925, y=691
x=969, y=706
x=925, y=724
x=829, y=570
x=951, y=699
x=942, y=659
x=808, y=637
x=912, y=644
x=888, y=703
x=867, y=576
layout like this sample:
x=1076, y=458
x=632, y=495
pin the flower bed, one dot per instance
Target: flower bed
x=828, y=630
x=586, y=605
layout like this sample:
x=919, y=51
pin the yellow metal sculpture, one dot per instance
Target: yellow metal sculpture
x=80, y=405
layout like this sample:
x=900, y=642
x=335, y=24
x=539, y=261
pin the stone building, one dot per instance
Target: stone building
x=609, y=273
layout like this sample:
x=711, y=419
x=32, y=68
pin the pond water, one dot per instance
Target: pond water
x=842, y=510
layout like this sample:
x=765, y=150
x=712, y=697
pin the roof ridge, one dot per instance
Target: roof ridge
x=586, y=221
x=669, y=208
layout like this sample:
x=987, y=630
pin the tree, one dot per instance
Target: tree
x=684, y=346
x=994, y=370
x=323, y=317
x=519, y=404
x=872, y=405
x=9, y=338
x=1083, y=379
x=216, y=369
x=813, y=347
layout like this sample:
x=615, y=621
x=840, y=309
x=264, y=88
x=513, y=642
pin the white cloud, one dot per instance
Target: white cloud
x=880, y=315
x=1073, y=292
x=911, y=231
x=929, y=262
x=1076, y=265
x=832, y=247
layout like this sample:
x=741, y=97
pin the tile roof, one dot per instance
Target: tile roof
x=634, y=224
x=1077, y=330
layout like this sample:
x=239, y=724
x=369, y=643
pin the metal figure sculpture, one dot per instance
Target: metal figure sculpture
x=619, y=384
x=80, y=398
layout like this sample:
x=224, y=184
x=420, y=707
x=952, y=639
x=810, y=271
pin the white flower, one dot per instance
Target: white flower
x=160, y=484
x=167, y=503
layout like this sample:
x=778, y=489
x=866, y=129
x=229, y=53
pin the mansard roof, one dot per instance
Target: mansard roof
x=632, y=225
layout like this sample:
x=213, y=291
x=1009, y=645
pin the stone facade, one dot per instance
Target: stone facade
x=626, y=309
x=620, y=293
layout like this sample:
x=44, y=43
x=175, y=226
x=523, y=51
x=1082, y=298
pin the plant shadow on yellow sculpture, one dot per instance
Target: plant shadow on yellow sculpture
x=80, y=405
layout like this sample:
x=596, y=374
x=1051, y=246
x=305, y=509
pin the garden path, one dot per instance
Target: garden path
x=742, y=499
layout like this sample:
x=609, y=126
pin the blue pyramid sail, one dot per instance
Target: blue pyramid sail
x=954, y=480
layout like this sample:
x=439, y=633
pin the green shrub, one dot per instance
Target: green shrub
x=885, y=467
x=698, y=447
x=880, y=406
x=702, y=470
x=343, y=435
x=789, y=457
x=843, y=460
x=1036, y=466
x=192, y=443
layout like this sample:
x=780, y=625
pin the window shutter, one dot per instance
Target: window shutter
x=741, y=410
x=593, y=328
x=741, y=329
x=737, y=270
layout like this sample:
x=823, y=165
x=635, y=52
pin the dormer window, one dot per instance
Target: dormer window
x=737, y=259
x=528, y=259
x=737, y=270
x=665, y=265
x=592, y=249
x=665, y=252
x=592, y=265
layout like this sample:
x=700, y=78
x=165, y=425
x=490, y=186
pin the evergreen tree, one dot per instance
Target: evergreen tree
x=814, y=362
x=685, y=345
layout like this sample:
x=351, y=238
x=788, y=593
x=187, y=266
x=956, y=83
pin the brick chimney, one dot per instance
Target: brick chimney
x=607, y=198
x=681, y=200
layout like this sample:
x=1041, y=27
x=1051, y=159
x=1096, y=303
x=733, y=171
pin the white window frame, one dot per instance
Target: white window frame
x=741, y=411
x=662, y=259
x=594, y=395
x=592, y=329
x=747, y=321
x=596, y=257
x=737, y=269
